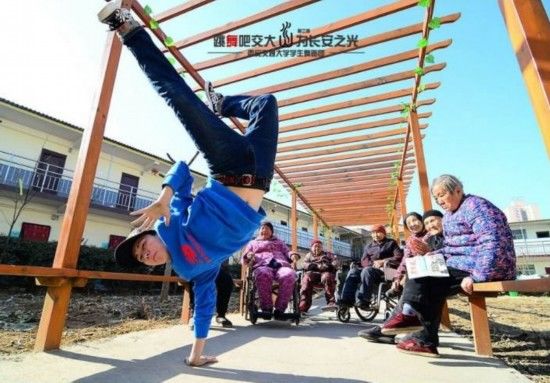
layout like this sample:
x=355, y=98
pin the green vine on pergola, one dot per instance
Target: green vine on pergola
x=433, y=23
x=407, y=108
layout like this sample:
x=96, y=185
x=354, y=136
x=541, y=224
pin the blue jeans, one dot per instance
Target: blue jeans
x=226, y=151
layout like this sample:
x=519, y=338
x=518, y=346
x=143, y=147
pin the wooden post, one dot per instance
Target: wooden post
x=403, y=205
x=395, y=225
x=56, y=302
x=315, y=227
x=529, y=31
x=420, y=161
x=480, y=325
x=294, y=223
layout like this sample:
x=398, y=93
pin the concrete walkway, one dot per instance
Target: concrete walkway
x=319, y=350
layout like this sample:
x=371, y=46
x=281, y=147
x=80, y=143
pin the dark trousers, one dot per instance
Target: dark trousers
x=224, y=288
x=349, y=290
x=427, y=296
x=225, y=151
x=310, y=280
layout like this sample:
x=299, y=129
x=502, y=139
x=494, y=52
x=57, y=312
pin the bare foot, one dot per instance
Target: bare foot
x=203, y=360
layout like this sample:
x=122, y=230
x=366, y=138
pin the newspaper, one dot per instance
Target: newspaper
x=426, y=266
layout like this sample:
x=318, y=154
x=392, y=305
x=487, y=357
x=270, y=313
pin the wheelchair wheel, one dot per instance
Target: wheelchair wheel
x=387, y=314
x=343, y=314
x=366, y=315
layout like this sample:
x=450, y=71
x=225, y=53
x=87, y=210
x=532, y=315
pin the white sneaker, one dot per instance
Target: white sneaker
x=213, y=99
x=115, y=16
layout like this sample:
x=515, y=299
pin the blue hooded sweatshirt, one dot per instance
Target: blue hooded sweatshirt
x=203, y=233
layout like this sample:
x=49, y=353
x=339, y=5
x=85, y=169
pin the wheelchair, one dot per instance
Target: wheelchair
x=383, y=294
x=252, y=301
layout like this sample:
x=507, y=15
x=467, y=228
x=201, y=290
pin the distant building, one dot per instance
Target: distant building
x=532, y=244
x=519, y=211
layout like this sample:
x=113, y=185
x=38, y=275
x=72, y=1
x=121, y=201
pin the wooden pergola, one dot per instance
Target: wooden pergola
x=351, y=173
x=344, y=174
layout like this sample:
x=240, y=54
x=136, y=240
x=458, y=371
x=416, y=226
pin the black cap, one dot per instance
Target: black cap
x=123, y=252
x=268, y=224
x=432, y=213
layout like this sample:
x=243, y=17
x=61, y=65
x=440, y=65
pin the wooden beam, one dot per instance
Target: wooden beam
x=362, y=43
x=341, y=164
x=368, y=139
x=341, y=149
x=372, y=175
x=354, y=102
x=340, y=173
x=347, y=71
x=49, y=272
x=180, y=9
x=349, y=117
x=347, y=185
x=350, y=174
x=339, y=157
x=359, y=85
x=529, y=31
x=360, y=194
x=347, y=129
x=277, y=10
x=324, y=30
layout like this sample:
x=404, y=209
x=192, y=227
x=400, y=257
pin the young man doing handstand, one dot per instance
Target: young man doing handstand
x=198, y=234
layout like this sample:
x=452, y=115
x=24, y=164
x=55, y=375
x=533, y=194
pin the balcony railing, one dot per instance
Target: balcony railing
x=47, y=179
x=304, y=240
x=532, y=247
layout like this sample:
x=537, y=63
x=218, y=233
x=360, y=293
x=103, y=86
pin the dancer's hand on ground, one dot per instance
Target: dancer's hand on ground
x=160, y=208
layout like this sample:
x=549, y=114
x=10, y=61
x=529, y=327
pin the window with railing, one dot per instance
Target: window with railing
x=48, y=171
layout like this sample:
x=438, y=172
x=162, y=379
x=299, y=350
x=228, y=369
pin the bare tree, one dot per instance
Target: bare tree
x=20, y=198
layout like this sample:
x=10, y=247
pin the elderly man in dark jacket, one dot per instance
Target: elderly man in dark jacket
x=369, y=272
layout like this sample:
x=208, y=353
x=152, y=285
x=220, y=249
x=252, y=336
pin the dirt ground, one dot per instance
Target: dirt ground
x=520, y=326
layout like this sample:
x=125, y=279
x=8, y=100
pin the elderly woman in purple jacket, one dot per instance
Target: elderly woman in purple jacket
x=271, y=261
x=478, y=247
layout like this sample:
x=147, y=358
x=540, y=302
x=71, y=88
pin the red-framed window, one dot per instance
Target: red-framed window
x=114, y=240
x=35, y=232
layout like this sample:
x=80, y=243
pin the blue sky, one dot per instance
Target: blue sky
x=483, y=128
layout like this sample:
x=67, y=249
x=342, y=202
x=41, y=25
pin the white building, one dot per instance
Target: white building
x=38, y=153
x=519, y=211
x=532, y=244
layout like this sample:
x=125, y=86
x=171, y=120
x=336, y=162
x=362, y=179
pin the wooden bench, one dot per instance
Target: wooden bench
x=478, y=309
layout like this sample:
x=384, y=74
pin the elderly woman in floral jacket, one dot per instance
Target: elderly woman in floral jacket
x=271, y=261
x=478, y=247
